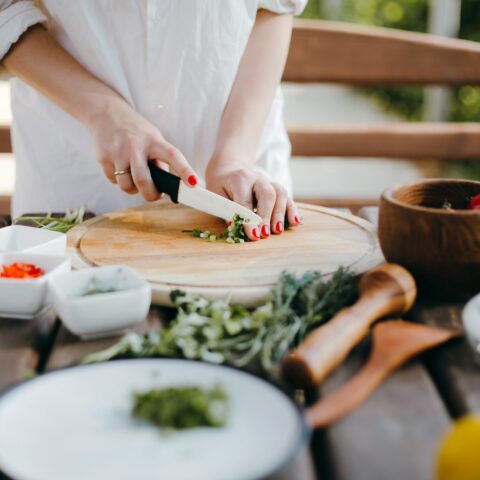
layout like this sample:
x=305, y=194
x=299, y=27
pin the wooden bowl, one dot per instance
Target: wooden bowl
x=441, y=248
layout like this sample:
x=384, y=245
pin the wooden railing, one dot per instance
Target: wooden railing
x=5, y=142
x=357, y=55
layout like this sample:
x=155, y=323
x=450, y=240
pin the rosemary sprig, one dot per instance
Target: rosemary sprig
x=62, y=224
x=217, y=332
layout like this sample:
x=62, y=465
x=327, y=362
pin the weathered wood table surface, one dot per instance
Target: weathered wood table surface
x=393, y=436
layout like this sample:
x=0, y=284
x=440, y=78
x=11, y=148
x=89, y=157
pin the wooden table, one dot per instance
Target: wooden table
x=394, y=435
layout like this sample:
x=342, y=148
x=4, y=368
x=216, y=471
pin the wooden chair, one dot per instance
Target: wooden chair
x=323, y=51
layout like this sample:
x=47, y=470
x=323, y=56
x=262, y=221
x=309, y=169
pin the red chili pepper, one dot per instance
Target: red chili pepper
x=474, y=202
x=20, y=270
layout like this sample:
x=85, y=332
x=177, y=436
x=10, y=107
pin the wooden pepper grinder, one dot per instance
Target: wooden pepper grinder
x=386, y=290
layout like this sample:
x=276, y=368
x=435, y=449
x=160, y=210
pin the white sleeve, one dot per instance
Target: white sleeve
x=16, y=16
x=283, y=6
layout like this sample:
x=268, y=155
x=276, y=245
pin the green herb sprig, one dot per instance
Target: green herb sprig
x=217, y=332
x=180, y=408
x=62, y=224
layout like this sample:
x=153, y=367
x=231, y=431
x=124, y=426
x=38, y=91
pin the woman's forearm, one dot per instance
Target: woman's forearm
x=124, y=140
x=42, y=63
x=254, y=88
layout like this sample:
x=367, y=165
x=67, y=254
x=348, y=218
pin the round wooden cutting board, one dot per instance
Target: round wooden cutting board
x=150, y=240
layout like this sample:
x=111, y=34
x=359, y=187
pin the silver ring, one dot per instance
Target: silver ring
x=122, y=172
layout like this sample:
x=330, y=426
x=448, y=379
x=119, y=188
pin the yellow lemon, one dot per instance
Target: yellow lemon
x=459, y=454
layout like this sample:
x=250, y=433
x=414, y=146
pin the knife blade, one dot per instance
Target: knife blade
x=199, y=198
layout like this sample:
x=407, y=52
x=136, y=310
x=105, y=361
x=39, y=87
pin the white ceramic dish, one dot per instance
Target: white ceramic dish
x=33, y=240
x=471, y=323
x=102, y=314
x=25, y=298
x=85, y=419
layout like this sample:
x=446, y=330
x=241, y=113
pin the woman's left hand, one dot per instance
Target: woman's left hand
x=253, y=189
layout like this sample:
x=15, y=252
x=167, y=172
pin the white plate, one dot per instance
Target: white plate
x=75, y=424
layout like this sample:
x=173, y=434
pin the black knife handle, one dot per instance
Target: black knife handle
x=165, y=182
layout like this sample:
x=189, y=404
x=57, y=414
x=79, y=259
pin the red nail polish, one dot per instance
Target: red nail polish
x=297, y=219
x=279, y=227
x=192, y=180
x=265, y=231
x=256, y=233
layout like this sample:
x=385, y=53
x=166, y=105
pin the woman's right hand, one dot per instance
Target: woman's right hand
x=126, y=140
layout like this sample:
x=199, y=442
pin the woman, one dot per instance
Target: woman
x=193, y=85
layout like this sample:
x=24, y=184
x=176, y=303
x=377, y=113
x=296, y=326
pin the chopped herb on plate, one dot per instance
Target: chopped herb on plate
x=181, y=408
x=93, y=288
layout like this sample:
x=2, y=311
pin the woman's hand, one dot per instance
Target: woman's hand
x=126, y=140
x=253, y=189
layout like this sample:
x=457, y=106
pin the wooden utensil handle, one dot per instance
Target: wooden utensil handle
x=348, y=397
x=388, y=289
x=393, y=343
x=327, y=346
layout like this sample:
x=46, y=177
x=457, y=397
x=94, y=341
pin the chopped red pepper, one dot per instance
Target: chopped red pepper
x=474, y=202
x=20, y=270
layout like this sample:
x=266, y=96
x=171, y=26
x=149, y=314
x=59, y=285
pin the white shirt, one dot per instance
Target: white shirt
x=174, y=61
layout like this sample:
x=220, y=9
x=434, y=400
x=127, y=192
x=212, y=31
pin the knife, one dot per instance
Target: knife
x=199, y=198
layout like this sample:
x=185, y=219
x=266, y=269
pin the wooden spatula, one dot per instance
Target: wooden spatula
x=393, y=343
x=386, y=290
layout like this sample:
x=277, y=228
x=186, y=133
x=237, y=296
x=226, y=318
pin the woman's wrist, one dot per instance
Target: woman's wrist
x=97, y=108
x=231, y=155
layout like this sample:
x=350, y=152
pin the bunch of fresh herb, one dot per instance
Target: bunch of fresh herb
x=181, y=408
x=61, y=224
x=218, y=332
x=233, y=234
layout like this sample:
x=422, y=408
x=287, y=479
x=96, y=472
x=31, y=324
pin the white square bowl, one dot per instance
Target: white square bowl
x=32, y=239
x=103, y=314
x=24, y=298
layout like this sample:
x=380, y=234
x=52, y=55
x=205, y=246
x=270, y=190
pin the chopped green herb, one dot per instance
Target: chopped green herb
x=181, y=408
x=217, y=332
x=233, y=234
x=93, y=288
x=447, y=205
x=62, y=224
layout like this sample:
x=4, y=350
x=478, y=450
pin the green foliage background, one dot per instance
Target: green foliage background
x=408, y=102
